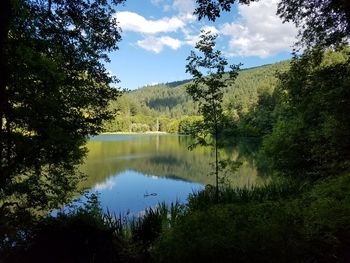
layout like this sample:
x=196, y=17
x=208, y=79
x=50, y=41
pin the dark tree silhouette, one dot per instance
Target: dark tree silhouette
x=54, y=92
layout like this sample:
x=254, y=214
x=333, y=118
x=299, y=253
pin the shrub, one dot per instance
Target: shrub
x=274, y=224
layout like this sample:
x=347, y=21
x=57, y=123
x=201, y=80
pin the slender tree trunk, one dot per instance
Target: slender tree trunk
x=216, y=162
x=5, y=10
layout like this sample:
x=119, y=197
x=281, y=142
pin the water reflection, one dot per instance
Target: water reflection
x=125, y=169
x=132, y=191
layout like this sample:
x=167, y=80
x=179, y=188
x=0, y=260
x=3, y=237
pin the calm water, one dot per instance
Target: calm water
x=133, y=172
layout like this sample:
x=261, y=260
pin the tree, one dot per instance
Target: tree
x=54, y=92
x=207, y=88
x=321, y=22
x=312, y=134
x=213, y=8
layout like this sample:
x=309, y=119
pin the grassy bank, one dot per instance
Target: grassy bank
x=287, y=221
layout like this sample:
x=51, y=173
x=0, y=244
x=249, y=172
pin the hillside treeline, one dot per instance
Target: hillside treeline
x=167, y=107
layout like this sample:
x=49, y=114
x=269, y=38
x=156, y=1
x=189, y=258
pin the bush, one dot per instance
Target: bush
x=81, y=235
x=189, y=123
x=139, y=127
x=273, y=224
x=280, y=189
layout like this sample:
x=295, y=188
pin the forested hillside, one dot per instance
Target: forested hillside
x=163, y=107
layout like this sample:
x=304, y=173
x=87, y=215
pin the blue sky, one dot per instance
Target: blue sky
x=158, y=35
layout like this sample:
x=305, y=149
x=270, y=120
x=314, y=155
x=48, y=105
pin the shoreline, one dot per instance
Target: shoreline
x=135, y=133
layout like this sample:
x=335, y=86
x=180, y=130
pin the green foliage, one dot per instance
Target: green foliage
x=253, y=233
x=163, y=99
x=81, y=235
x=208, y=69
x=283, y=223
x=207, y=87
x=311, y=135
x=132, y=115
x=320, y=23
x=169, y=125
x=189, y=124
x=278, y=189
x=139, y=127
x=211, y=9
x=54, y=92
x=238, y=96
x=243, y=113
x=147, y=229
x=259, y=120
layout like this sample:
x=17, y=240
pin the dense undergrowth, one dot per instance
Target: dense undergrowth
x=273, y=224
x=286, y=221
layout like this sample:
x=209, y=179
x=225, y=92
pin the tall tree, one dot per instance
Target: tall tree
x=321, y=23
x=207, y=88
x=311, y=136
x=54, y=92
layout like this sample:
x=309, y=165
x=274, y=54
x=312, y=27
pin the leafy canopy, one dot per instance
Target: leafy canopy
x=54, y=93
x=311, y=134
x=209, y=80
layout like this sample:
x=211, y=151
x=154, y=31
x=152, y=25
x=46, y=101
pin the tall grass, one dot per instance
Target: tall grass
x=283, y=222
x=277, y=190
x=142, y=231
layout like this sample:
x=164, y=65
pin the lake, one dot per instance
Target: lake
x=133, y=172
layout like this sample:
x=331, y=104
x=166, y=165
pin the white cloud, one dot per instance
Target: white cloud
x=187, y=18
x=259, y=32
x=156, y=44
x=109, y=184
x=130, y=21
x=151, y=28
x=211, y=29
x=183, y=6
x=152, y=84
x=191, y=39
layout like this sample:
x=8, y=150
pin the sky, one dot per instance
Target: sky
x=158, y=36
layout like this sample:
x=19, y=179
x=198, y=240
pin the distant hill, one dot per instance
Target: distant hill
x=161, y=106
x=174, y=84
x=172, y=100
